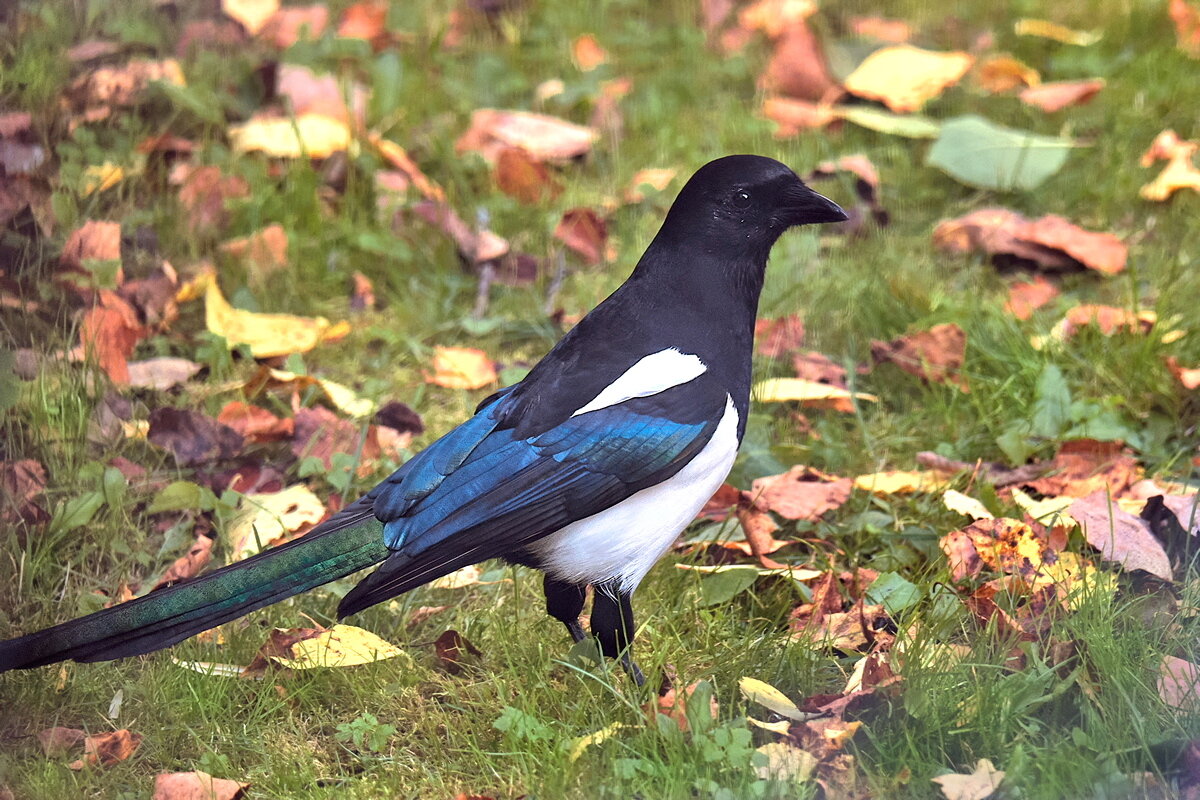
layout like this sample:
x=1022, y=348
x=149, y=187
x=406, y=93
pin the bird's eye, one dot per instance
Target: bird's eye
x=740, y=199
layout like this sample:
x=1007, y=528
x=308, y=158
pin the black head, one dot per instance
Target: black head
x=745, y=202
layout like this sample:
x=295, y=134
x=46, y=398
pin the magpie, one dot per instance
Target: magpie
x=588, y=469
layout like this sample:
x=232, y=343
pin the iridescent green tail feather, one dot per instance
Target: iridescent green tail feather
x=341, y=546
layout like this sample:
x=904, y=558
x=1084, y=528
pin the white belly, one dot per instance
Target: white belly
x=622, y=542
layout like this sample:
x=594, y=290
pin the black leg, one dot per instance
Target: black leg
x=564, y=602
x=612, y=625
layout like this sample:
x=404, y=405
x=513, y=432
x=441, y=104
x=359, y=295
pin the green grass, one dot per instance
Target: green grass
x=1070, y=723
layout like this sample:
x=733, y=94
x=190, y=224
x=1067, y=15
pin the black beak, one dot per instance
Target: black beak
x=803, y=206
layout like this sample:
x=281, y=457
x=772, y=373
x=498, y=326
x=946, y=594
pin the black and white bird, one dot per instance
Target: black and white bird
x=588, y=469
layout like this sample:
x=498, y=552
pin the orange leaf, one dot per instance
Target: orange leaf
x=461, y=368
x=798, y=67
x=778, y=337
x=265, y=251
x=365, y=20
x=308, y=92
x=1051, y=97
x=1025, y=297
x=1189, y=377
x=657, y=179
x=203, y=193
x=893, y=31
x=583, y=230
x=587, y=53
x=935, y=355
x=105, y=749
x=1187, y=26
x=545, y=138
x=398, y=158
x=1108, y=319
x=289, y=25
x=95, y=240
x=254, y=423
x=801, y=493
x=1050, y=242
x=904, y=77
x=109, y=332
x=1005, y=73
x=1085, y=466
x=1179, y=173
x=195, y=786
x=792, y=116
x=519, y=176
x=362, y=297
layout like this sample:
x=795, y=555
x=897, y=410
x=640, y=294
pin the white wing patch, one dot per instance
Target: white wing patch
x=655, y=373
x=622, y=542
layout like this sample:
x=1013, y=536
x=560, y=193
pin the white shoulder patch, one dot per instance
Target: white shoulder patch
x=655, y=373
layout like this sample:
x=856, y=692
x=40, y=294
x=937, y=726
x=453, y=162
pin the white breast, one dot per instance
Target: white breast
x=624, y=541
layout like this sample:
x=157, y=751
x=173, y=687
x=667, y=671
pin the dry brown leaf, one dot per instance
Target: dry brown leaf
x=934, y=355
x=892, y=31
x=264, y=251
x=166, y=143
x=776, y=338
x=673, y=703
x=798, y=67
x=1025, y=297
x=1051, y=242
x=759, y=529
x=1187, y=26
x=904, y=77
x=545, y=138
x=461, y=368
x=453, y=649
x=792, y=116
x=1051, y=97
x=58, y=741
x=195, y=786
x=254, y=423
x=252, y=14
x=519, y=176
x=1180, y=172
x=190, y=564
x=362, y=295
x=1188, y=377
x=161, y=373
x=1107, y=319
x=1179, y=684
x=106, y=749
x=95, y=240
x=203, y=193
x=587, y=53
x=1005, y=73
x=319, y=433
x=100, y=90
x=656, y=179
x=474, y=248
x=278, y=645
x=295, y=23
x=1007, y=546
x=801, y=493
x=819, y=368
x=721, y=503
x=980, y=784
x=849, y=631
x=1120, y=536
x=193, y=437
x=866, y=186
x=585, y=232
x=21, y=483
x=109, y=332
x=305, y=136
x=1085, y=466
x=367, y=20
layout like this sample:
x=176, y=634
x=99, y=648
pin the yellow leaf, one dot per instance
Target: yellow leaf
x=900, y=482
x=306, y=136
x=904, y=77
x=461, y=368
x=267, y=516
x=786, y=763
x=775, y=390
x=584, y=742
x=266, y=334
x=795, y=573
x=341, y=397
x=1051, y=511
x=102, y=177
x=340, y=646
x=780, y=726
x=1052, y=30
x=767, y=695
x=253, y=14
x=957, y=501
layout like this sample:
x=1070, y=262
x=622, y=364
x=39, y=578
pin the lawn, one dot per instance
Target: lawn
x=900, y=659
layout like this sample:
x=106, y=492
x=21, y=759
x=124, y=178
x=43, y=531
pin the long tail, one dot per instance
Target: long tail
x=347, y=543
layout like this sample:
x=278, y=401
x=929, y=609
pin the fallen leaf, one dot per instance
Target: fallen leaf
x=1051, y=97
x=1188, y=377
x=866, y=185
x=849, y=631
x=934, y=355
x=1004, y=73
x=461, y=368
x=109, y=332
x=798, y=67
x=776, y=18
x=189, y=565
x=295, y=23
x=13, y=123
x=1006, y=235
x=792, y=116
x=1102, y=252
x=106, y=749
x=809, y=393
x=252, y=14
x=21, y=483
x=101, y=177
x=759, y=529
x=607, y=116
x=1180, y=172
x=785, y=764
x=893, y=31
x=264, y=251
x=1120, y=536
x=203, y=192
x=58, y=741
x=587, y=53
x=1108, y=320
x=674, y=703
x=195, y=786
x=980, y=153
x=254, y=423
x=362, y=296
x=819, y=368
x=582, y=743
x=193, y=437
x=584, y=232
x=265, y=334
x=777, y=337
x=963, y=504
x=452, y=650
x=656, y=179
x=719, y=505
x=95, y=240
x=268, y=519
x=474, y=248
x=324, y=94
x=910, y=126
x=1178, y=684
x=1055, y=32
x=904, y=77
x=398, y=157
x=980, y=784
x=1007, y=546
x=102, y=89
x=545, y=138
x=898, y=482
x=1025, y=297
x=1187, y=26
x=339, y=646
x=1085, y=466
x=801, y=493
x=161, y=374
x=305, y=136
x=765, y=694
x=365, y=20
x=519, y=176
x=319, y=433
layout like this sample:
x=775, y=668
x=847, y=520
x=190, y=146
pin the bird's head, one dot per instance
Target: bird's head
x=745, y=202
